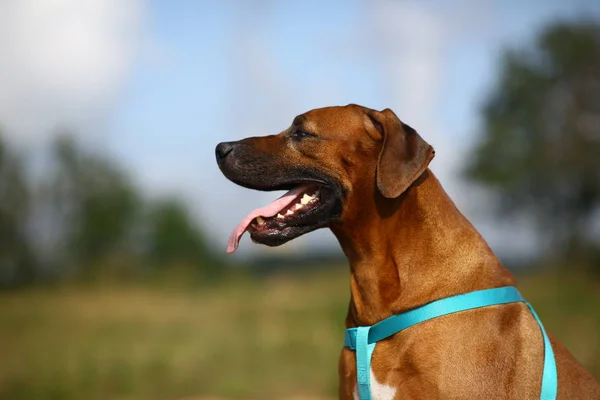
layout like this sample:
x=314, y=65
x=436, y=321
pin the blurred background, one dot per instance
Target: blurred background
x=114, y=218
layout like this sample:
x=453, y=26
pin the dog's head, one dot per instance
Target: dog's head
x=328, y=159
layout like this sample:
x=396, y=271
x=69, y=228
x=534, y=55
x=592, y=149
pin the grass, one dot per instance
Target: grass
x=277, y=338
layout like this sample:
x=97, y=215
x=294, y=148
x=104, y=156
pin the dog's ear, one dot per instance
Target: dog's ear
x=404, y=154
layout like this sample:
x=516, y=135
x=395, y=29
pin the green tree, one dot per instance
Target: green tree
x=95, y=201
x=16, y=258
x=540, y=146
x=173, y=237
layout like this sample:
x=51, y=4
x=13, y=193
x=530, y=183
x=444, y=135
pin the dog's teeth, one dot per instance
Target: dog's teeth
x=289, y=212
x=311, y=196
x=279, y=216
x=260, y=220
x=298, y=206
x=305, y=199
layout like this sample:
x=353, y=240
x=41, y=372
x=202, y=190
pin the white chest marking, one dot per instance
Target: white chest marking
x=378, y=391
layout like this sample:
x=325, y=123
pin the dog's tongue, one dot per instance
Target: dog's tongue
x=266, y=212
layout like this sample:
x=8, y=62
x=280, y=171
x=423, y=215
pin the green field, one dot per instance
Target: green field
x=275, y=338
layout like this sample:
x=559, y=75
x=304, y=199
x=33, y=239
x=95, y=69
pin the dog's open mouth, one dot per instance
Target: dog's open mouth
x=304, y=208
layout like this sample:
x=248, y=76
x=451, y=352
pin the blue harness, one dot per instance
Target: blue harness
x=363, y=338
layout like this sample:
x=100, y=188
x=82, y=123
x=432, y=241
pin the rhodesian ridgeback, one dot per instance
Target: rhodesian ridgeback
x=365, y=174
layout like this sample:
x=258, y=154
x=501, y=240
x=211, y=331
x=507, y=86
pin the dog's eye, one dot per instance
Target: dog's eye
x=297, y=134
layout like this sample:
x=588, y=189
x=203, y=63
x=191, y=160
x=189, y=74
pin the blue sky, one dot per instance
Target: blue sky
x=160, y=83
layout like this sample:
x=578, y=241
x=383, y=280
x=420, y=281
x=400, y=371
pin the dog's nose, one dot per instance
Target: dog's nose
x=222, y=150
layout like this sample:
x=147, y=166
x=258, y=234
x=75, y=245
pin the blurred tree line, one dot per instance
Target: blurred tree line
x=82, y=215
x=539, y=151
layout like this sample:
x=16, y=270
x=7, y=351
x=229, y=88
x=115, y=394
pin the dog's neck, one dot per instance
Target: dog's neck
x=422, y=224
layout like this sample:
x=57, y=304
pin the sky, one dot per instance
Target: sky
x=159, y=83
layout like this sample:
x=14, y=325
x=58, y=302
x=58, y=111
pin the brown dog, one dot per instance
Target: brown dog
x=364, y=174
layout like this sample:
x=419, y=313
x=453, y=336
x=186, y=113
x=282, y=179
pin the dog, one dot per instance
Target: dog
x=365, y=175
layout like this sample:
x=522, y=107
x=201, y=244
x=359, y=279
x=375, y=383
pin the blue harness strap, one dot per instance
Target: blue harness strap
x=363, y=339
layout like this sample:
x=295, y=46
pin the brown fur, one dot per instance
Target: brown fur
x=408, y=245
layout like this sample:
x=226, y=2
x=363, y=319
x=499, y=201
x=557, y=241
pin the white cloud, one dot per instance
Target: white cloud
x=63, y=62
x=412, y=44
x=410, y=39
x=413, y=39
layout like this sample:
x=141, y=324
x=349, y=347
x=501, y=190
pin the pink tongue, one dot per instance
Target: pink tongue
x=268, y=211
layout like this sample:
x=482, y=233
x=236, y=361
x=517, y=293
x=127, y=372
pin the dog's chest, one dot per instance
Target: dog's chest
x=378, y=391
